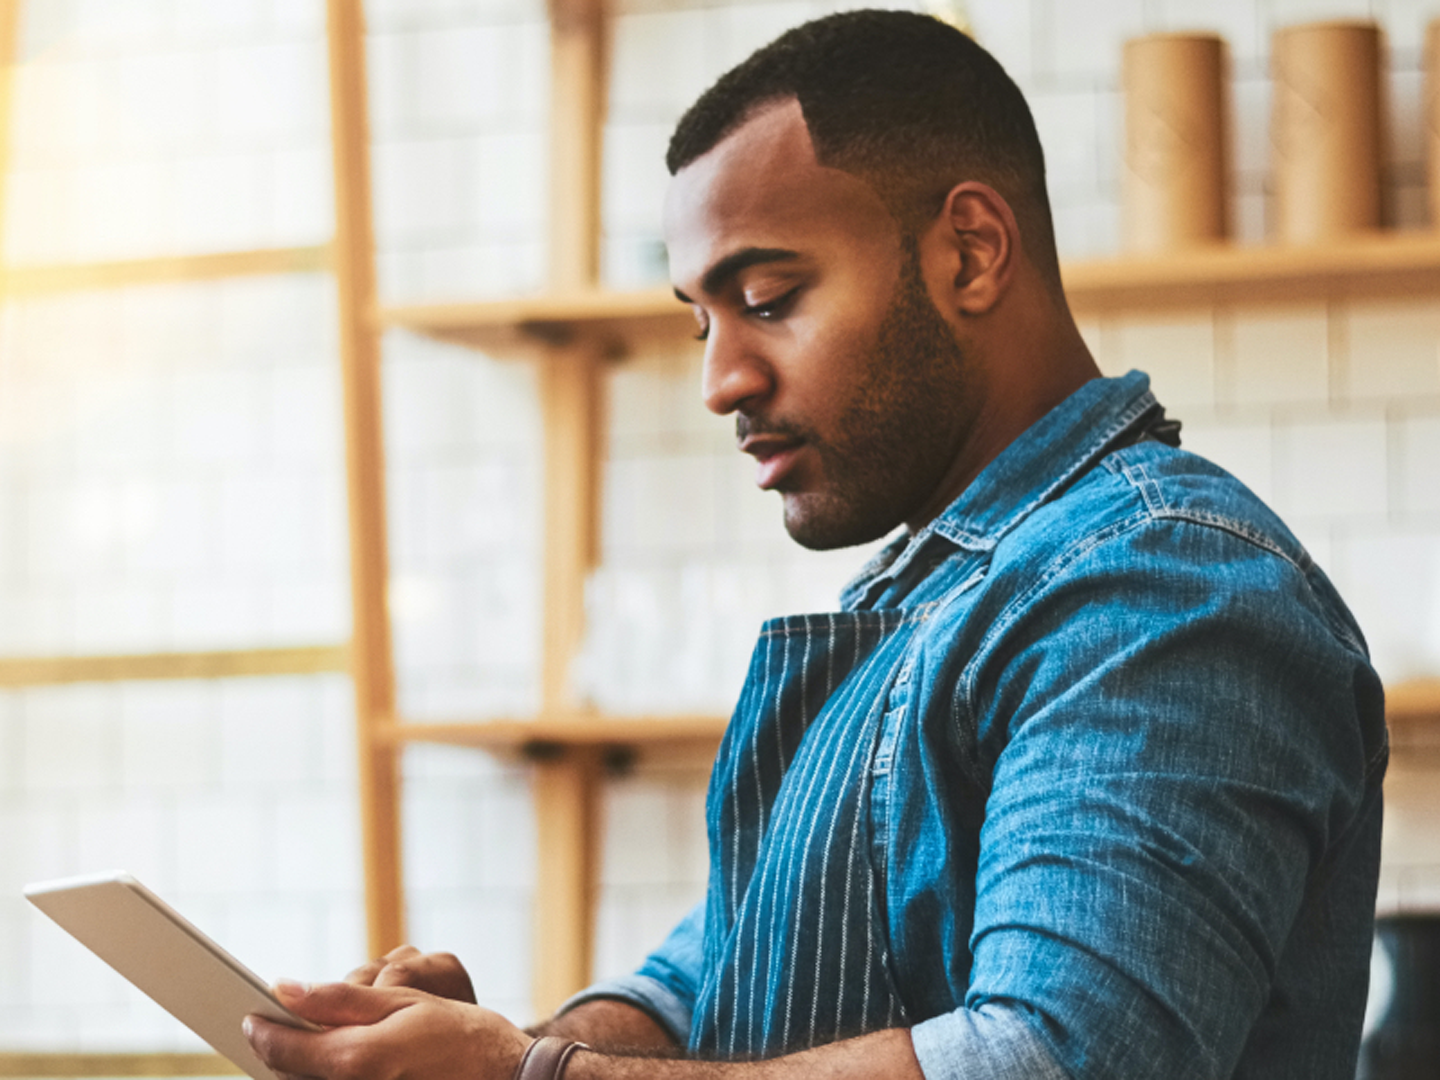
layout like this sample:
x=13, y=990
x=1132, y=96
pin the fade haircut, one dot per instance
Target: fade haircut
x=904, y=101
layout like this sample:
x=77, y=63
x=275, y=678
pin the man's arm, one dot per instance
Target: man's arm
x=885, y=1054
x=381, y=1033
x=611, y=1026
x=1178, y=771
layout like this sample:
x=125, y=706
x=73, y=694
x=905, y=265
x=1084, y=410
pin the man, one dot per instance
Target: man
x=1084, y=779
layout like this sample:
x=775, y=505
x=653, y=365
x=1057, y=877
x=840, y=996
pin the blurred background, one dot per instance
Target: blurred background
x=172, y=470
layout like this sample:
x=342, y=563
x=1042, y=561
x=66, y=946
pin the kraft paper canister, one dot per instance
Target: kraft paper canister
x=1176, y=192
x=1327, y=130
x=1432, y=118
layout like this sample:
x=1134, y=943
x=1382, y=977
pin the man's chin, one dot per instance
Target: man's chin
x=824, y=523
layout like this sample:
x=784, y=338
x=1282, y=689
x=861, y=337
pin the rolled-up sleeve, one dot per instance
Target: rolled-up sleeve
x=994, y=1041
x=665, y=985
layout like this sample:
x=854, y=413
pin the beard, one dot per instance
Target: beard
x=897, y=436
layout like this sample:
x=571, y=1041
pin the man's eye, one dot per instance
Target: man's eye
x=770, y=309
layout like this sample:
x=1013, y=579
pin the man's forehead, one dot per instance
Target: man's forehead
x=761, y=185
x=764, y=157
x=773, y=134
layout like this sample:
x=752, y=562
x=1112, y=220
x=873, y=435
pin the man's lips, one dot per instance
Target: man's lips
x=774, y=456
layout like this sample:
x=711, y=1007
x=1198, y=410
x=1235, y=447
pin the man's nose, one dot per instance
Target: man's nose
x=734, y=375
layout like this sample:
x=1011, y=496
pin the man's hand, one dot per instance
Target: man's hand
x=383, y=1033
x=440, y=974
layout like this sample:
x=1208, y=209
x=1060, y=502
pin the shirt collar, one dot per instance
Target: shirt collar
x=1050, y=455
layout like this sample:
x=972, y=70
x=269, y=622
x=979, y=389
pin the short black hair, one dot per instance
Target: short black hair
x=903, y=100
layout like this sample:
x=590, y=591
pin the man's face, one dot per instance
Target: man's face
x=849, y=388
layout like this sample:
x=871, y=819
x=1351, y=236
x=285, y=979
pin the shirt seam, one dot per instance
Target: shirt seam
x=1013, y=611
x=1260, y=540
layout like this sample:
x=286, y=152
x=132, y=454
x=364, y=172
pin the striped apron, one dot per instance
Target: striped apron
x=795, y=939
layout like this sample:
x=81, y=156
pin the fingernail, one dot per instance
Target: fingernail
x=248, y=1027
x=289, y=988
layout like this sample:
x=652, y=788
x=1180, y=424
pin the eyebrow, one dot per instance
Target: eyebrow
x=727, y=268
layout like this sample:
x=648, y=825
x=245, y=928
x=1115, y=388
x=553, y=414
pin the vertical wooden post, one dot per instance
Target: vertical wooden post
x=569, y=393
x=9, y=52
x=566, y=791
x=567, y=786
x=1430, y=111
x=578, y=71
x=371, y=662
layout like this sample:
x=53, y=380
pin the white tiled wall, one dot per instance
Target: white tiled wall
x=655, y=864
x=459, y=94
x=171, y=479
x=235, y=799
x=470, y=868
x=147, y=128
x=172, y=468
x=1330, y=413
x=464, y=459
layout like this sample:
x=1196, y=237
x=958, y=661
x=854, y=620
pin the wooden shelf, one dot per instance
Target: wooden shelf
x=1412, y=710
x=532, y=737
x=73, y=277
x=18, y=671
x=1412, y=701
x=615, y=319
x=1377, y=264
x=1381, y=264
x=158, y=1064
x=1410, y=706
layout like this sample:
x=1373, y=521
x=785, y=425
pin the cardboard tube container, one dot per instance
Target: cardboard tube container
x=1432, y=118
x=1327, y=134
x=1176, y=142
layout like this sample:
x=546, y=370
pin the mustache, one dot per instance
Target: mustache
x=747, y=425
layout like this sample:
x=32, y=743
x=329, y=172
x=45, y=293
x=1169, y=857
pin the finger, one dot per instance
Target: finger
x=366, y=974
x=397, y=974
x=408, y=966
x=287, y=1051
x=343, y=1004
x=441, y=974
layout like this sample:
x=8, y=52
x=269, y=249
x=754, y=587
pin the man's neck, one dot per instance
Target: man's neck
x=1043, y=360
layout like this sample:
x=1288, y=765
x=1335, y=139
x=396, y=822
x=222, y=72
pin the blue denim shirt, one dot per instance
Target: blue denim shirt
x=1083, y=781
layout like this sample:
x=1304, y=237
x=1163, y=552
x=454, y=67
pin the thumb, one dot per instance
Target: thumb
x=342, y=1004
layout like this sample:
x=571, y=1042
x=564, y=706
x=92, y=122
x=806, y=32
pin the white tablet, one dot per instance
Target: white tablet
x=171, y=960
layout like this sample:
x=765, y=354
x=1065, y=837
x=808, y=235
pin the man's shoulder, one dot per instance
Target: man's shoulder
x=1153, y=494
x=1164, y=570
x=1148, y=531
x=1156, y=529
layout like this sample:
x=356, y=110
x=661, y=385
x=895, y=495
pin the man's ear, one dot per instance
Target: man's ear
x=976, y=241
